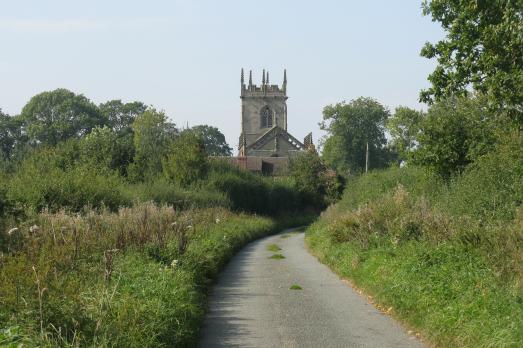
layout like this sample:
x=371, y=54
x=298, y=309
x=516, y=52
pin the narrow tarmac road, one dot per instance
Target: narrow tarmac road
x=252, y=304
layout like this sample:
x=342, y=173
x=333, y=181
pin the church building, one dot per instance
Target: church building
x=265, y=145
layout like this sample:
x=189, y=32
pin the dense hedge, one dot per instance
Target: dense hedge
x=445, y=258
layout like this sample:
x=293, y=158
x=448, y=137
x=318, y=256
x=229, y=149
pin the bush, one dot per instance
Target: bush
x=48, y=180
x=445, y=257
x=186, y=161
x=491, y=188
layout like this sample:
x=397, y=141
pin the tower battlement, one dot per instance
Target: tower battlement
x=265, y=89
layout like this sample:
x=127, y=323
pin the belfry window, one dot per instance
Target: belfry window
x=266, y=117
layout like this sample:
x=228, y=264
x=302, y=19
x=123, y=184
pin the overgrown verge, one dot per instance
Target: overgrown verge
x=133, y=278
x=445, y=258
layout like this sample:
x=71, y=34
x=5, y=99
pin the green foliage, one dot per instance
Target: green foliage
x=138, y=277
x=186, y=161
x=10, y=135
x=162, y=191
x=213, y=140
x=491, y=188
x=152, y=138
x=349, y=128
x=309, y=174
x=252, y=193
x=444, y=257
x=55, y=116
x=404, y=128
x=482, y=49
x=106, y=149
x=120, y=115
x=48, y=179
x=454, y=133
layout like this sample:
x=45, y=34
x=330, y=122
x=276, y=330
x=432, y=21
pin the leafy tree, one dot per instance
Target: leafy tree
x=213, y=140
x=350, y=127
x=152, y=138
x=186, y=161
x=120, y=115
x=404, y=129
x=8, y=132
x=51, y=117
x=107, y=149
x=308, y=172
x=454, y=133
x=483, y=49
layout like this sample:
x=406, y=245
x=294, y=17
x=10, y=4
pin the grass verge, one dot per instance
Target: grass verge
x=135, y=278
x=455, y=278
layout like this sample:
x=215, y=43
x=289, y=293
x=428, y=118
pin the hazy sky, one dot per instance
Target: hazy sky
x=185, y=57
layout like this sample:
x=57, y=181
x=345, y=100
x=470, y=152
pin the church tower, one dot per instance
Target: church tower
x=264, y=119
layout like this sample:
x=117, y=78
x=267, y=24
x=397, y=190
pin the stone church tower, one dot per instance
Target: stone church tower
x=264, y=120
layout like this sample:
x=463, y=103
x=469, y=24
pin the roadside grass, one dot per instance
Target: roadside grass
x=273, y=247
x=277, y=257
x=289, y=234
x=453, y=272
x=133, y=278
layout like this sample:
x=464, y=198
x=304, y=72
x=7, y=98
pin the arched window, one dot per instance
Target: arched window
x=266, y=117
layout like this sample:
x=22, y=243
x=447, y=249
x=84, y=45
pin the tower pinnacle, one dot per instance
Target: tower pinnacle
x=284, y=87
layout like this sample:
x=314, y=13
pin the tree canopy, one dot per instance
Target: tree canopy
x=404, y=129
x=152, y=138
x=120, y=116
x=213, y=140
x=454, y=133
x=349, y=128
x=51, y=117
x=482, y=49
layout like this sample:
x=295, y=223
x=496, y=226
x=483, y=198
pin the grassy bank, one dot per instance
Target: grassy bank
x=444, y=258
x=135, y=278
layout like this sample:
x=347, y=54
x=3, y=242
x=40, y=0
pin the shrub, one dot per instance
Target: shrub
x=186, y=161
x=45, y=181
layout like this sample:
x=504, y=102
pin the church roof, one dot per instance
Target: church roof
x=276, y=132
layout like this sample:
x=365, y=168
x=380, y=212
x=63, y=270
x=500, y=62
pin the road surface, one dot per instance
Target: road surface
x=252, y=304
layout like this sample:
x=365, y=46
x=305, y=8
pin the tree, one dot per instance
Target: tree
x=213, y=140
x=482, y=50
x=107, y=149
x=455, y=133
x=121, y=116
x=8, y=131
x=13, y=143
x=308, y=172
x=404, y=129
x=51, y=117
x=349, y=128
x=186, y=161
x=152, y=138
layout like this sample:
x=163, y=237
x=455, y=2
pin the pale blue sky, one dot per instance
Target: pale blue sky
x=185, y=56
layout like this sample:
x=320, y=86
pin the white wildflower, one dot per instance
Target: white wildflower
x=34, y=229
x=12, y=230
x=174, y=263
x=217, y=220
